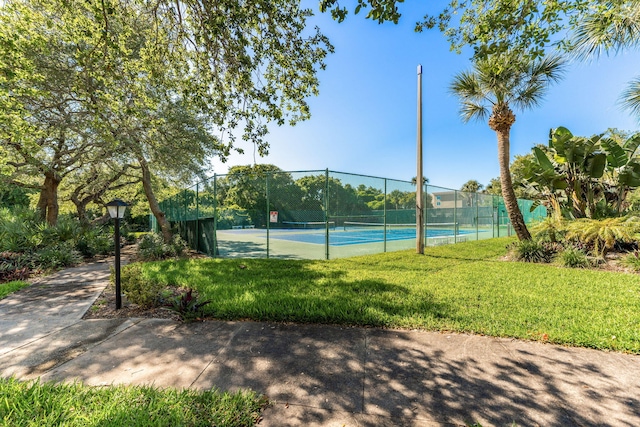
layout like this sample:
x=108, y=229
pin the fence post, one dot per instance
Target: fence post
x=477, y=218
x=185, y=229
x=455, y=216
x=326, y=213
x=266, y=178
x=385, y=215
x=197, y=248
x=426, y=214
x=215, y=215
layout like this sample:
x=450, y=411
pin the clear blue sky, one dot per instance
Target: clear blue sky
x=364, y=120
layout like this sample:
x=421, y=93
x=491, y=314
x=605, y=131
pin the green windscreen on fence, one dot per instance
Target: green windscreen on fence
x=326, y=214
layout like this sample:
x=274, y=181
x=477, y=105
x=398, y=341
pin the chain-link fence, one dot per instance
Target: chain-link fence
x=325, y=214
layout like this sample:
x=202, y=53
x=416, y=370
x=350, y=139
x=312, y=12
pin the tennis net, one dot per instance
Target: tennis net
x=309, y=225
x=358, y=226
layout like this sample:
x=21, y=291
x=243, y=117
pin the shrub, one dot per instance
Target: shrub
x=188, y=305
x=532, y=251
x=574, y=258
x=57, y=256
x=603, y=235
x=549, y=230
x=139, y=289
x=67, y=229
x=152, y=247
x=631, y=260
x=15, y=266
x=17, y=232
x=95, y=241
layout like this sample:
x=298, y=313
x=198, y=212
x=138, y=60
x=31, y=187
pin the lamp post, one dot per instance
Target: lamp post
x=116, y=210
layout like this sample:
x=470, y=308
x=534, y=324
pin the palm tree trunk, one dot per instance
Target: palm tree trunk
x=509, y=196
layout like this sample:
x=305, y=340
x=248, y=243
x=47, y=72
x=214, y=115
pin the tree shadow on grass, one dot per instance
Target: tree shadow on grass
x=274, y=290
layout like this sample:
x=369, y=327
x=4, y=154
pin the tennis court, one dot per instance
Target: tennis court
x=327, y=215
x=362, y=233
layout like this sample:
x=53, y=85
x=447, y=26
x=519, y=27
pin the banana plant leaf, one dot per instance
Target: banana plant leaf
x=616, y=155
x=632, y=144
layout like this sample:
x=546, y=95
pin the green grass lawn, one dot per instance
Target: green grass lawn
x=463, y=287
x=11, y=287
x=35, y=404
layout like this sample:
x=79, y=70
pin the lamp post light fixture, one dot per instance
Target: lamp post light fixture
x=116, y=210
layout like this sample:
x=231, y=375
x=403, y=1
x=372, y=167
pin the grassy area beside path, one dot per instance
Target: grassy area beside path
x=35, y=404
x=463, y=288
x=11, y=287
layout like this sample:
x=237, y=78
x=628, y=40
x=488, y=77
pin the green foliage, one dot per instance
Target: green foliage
x=152, y=247
x=574, y=258
x=466, y=287
x=21, y=231
x=471, y=186
x=497, y=84
x=632, y=260
x=584, y=177
x=15, y=266
x=551, y=229
x=188, y=305
x=12, y=196
x=57, y=256
x=139, y=288
x=532, y=251
x=36, y=403
x=633, y=201
x=488, y=28
x=11, y=287
x=18, y=230
x=79, y=79
x=602, y=236
x=95, y=241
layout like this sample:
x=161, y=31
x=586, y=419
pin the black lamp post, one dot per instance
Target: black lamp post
x=116, y=210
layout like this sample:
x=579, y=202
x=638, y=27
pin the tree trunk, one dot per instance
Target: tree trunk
x=81, y=208
x=48, y=201
x=165, y=227
x=501, y=121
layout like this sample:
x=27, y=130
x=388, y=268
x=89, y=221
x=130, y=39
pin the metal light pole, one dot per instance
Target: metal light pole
x=419, y=174
x=116, y=210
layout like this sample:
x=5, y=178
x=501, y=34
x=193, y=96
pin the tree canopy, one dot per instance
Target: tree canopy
x=529, y=27
x=158, y=87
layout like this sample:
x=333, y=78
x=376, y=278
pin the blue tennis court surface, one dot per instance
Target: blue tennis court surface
x=355, y=237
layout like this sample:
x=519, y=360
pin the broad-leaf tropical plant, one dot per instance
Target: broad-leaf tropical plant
x=623, y=167
x=495, y=85
x=586, y=177
x=579, y=162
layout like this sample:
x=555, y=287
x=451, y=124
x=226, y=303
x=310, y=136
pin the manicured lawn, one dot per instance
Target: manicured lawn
x=11, y=287
x=36, y=404
x=463, y=287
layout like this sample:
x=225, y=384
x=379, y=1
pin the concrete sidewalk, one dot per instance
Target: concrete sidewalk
x=317, y=375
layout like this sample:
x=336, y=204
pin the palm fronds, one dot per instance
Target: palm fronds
x=605, y=233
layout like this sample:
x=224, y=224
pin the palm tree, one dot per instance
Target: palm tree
x=471, y=186
x=495, y=84
x=613, y=28
x=468, y=189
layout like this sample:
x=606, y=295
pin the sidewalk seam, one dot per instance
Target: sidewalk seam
x=364, y=372
x=217, y=354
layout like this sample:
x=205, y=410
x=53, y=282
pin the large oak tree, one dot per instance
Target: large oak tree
x=167, y=83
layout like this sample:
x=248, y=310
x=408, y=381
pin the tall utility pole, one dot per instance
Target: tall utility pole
x=419, y=174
